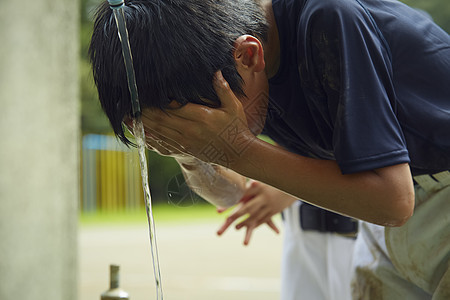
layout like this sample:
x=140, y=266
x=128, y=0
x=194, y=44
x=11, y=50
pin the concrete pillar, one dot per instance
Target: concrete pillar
x=39, y=165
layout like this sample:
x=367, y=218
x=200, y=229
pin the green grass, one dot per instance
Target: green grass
x=163, y=213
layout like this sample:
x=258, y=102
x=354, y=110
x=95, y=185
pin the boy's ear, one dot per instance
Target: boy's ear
x=249, y=53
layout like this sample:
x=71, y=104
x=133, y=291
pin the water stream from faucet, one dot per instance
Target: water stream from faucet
x=139, y=134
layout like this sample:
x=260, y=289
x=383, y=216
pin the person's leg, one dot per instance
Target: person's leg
x=315, y=265
x=411, y=261
x=339, y=262
x=375, y=277
x=303, y=261
x=442, y=291
x=420, y=250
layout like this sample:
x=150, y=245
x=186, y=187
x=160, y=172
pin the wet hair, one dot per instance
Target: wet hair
x=177, y=46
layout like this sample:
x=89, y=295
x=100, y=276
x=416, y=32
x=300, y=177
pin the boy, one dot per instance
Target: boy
x=359, y=102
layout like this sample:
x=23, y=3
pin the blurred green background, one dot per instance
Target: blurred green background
x=163, y=171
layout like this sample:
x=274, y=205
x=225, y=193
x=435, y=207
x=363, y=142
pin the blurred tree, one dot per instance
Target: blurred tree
x=93, y=120
x=439, y=10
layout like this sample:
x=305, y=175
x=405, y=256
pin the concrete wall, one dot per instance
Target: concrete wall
x=39, y=131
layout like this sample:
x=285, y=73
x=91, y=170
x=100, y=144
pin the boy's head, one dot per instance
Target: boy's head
x=177, y=46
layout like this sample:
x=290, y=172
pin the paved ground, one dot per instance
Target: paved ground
x=195, y=263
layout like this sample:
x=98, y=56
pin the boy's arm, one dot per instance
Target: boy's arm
x=383, y=196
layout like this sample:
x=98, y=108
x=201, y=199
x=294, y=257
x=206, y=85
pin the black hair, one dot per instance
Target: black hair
x=177, y=46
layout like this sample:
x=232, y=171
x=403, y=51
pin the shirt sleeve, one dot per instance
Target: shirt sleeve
x=347, y=77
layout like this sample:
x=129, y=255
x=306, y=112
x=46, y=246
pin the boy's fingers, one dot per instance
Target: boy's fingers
x=249, y=232
x=158, y=122
x=251, y=221
x=249, y=193
x=248, y=235
x=221, y=209
x=272, y=225
x=190, y=111
x=224, y=226
x=246, y=197
x=264, y=216
x=239, y=211
x=223, y=90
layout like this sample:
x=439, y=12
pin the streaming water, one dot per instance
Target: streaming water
x=139, y=135
x=138, y=130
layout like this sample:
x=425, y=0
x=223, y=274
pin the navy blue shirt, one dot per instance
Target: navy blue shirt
x=362, y=82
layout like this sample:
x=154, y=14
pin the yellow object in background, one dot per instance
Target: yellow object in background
x=110, y=175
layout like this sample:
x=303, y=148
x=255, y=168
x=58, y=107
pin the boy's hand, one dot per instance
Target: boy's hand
x=260, y=202
x=216, y=135
x=161, y=147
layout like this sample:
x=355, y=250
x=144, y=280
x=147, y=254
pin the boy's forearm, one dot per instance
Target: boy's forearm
x=219, y=186
x=383, y=196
